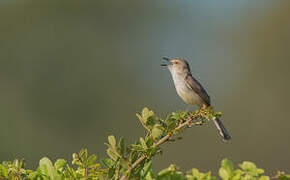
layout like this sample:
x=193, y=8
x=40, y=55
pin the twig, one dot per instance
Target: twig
x=161, y=141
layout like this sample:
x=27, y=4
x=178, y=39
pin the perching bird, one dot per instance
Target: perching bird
x=190, y=90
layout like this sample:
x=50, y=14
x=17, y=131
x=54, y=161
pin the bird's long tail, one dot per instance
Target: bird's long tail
x=222, y=130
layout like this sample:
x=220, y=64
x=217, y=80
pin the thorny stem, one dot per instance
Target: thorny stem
x=161, y=141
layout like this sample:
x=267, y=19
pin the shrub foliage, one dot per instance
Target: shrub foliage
x=134, y=161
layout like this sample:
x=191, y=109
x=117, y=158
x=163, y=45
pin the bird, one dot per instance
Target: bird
x=190, y=90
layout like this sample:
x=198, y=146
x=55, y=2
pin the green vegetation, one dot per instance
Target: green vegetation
x=135, y=161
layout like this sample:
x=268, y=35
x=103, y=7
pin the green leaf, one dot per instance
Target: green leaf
x=143, y=143
x=122, y=146
x=228, y=166
x=70, y=172
x=83, y=154
x=112, y=141
x=60, y=164
x=112, y=154
x=3, y=171
x=48, y=169
x=247, y=165
x=149, y=176
x=164, y=173
x=107, y=162
x=250, y=168
x=146, y=113
x=124, y=163
x=111, y=172
x=237, y=174
x=146, y=169
x=195, y=173
x=260, y=171
x=46, y=166
x=282, y=175
x=91, y=160
x=224, y=174
x=264, y=178
x=157, y=131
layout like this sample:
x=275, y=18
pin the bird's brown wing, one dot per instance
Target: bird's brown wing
x=196, y=86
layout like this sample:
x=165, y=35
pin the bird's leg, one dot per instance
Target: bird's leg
x=193, y=119
x=200, y=114
x=189, y=121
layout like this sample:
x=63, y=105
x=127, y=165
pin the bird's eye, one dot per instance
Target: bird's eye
x=175, y=62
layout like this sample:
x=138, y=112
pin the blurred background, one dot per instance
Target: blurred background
x=73, y=72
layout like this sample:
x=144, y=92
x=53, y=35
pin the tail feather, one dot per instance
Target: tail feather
x=222, y=130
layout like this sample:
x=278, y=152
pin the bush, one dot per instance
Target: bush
x=135, y=161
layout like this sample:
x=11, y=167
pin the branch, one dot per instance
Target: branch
x=157, y=144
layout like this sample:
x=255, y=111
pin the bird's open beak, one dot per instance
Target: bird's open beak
x=166, y=59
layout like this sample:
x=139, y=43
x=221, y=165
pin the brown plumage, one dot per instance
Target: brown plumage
x=190, y=90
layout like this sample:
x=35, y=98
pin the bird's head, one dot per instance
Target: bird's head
x=176, y=65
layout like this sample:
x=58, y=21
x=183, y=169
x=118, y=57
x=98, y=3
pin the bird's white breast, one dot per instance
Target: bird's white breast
x=187, y=94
